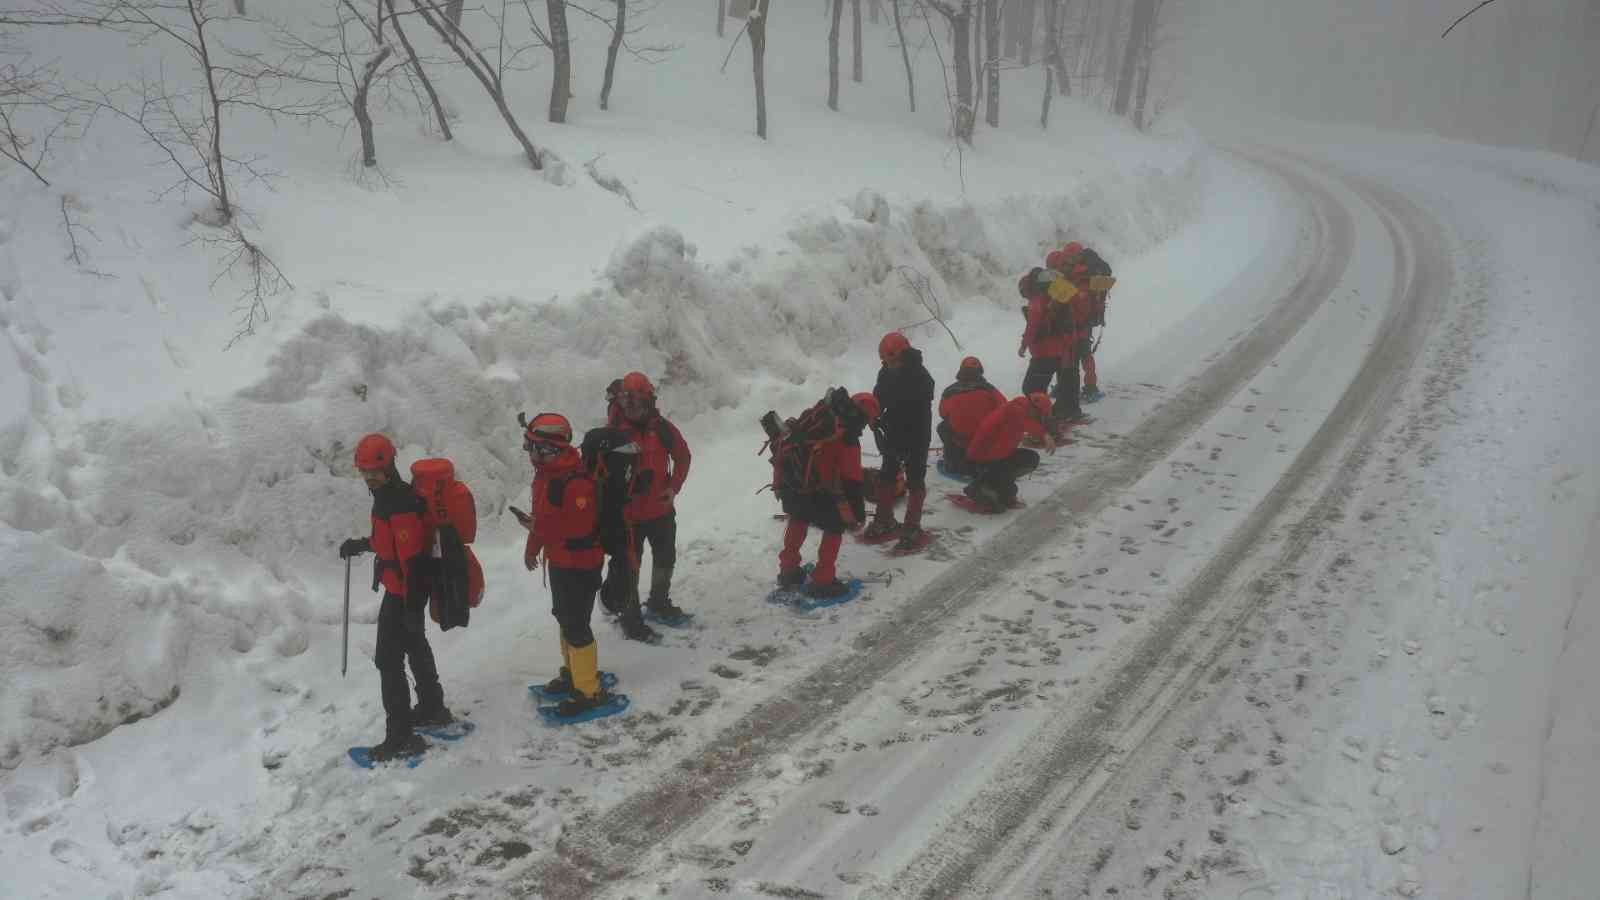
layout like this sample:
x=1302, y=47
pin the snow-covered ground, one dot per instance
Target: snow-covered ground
x=1403, y=708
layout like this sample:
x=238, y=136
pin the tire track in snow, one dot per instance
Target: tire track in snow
x=607, y=847
x=1017, y=832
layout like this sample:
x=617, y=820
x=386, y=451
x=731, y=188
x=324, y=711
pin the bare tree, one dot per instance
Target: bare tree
x=905, y=53
x=421, y=73
x=617, y=29
x=855, y=40
x=1463, y=17
x=991, y=65
x=561, y=48
x=1052, y=48
x=488, y=75
x=722, y=14
x=1133, y=49
x=958, y=13
x=757, y=26
x=833, y=55
x=24, y=91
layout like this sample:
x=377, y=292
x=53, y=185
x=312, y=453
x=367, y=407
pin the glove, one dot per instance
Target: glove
x=354, y=547
x=530, y=562
x=1022, y=349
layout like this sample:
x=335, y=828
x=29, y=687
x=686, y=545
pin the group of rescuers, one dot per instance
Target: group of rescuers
x=980, y=429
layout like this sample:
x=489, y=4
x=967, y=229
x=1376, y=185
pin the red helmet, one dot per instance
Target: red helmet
x=1055, y=260
x=1040, y=403
x=868, y=404
x=374, y=453
x=637, y=383
x=1073, y=249
x=893, y=344
x=550, y=430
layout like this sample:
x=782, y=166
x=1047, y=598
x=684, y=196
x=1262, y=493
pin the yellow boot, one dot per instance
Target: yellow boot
x=562, y=684
x=586, y=693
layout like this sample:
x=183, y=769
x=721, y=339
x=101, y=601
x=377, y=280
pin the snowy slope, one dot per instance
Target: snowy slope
x=170, y=508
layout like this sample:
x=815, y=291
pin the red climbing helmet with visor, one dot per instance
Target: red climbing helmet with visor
x=547, y=435
x=892, y=346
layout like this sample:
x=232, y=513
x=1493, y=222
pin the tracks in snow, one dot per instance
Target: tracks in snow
x=606, y=848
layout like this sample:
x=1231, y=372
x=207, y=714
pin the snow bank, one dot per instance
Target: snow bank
x=139, y=551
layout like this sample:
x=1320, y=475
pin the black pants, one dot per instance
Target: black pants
x=915, y=463
x=572, y=602
x=621, y=584
x=1040, y=370
x=955, y=455
x=999, y=479
x=402, y=636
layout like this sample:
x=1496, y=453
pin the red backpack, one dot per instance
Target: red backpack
x=452, y=520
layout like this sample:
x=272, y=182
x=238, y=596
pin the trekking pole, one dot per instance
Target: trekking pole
x=344, y=661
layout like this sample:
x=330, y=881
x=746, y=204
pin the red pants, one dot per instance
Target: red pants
x=794, y=537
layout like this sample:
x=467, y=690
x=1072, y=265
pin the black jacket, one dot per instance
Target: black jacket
x=906, y=395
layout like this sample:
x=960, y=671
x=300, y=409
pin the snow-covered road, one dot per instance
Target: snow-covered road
x=1021, y=726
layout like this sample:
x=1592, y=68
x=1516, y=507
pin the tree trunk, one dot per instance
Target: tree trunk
x=1113, y=28
x=966, y=112
x=855, y=37
x=1049, y=91
x=1143, y=90
x=416, y=68
x=219, y=178
x=561, y=49
x=1052, y=47
x=976, y=16
x=833, y=55
x=369, y=146
x=722, y=14
x=611, y=52
x=905, y=53
x=875, y=11
x=1138, y=34
x=992, y=65
x=238, y=7
x=453, y=10
x=758, y=58
x=480, y=68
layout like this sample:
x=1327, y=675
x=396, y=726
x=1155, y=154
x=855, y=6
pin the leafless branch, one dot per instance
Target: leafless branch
x=950, y=102
x=922, y=286
x=262, y=279
x=1464, y=18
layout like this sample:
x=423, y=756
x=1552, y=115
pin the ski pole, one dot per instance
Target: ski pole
x=344, y=660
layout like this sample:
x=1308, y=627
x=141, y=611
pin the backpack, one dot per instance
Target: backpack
x=452, y=519
x=794, y=444
x=609, y=458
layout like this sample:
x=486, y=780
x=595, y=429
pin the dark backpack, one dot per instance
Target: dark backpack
x=610, y=459
x=794, y=443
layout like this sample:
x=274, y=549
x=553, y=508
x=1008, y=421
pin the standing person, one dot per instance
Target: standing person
x=400, y=542
x=1047, y=336
x=962, y=408
x=905, y=430
x=995, y=450
x=660, y=470
x=563, y=530
x=1099, y=284
x=1069, y=309
x=825, y=492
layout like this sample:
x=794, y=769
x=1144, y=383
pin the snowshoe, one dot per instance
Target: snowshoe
x=947, y=471
x=826, y=590
x=548, y=694
x=579, y=708
x=801, y=596
x=1092, y=394
x=394, y=748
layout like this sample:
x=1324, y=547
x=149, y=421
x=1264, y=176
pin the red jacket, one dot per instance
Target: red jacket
x=398, y=535
x=965, y=404
x=566, y=515
x=1046, y=335
x=1001, y=431
x=663, y=462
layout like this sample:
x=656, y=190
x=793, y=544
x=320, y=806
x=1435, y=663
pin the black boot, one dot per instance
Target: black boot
x=430, y=710
x=634, y=627
x=791, y=578
x=561, y=684
x=581, y=703
x=1066, y=408
x=398, y=745
x=660, y=602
